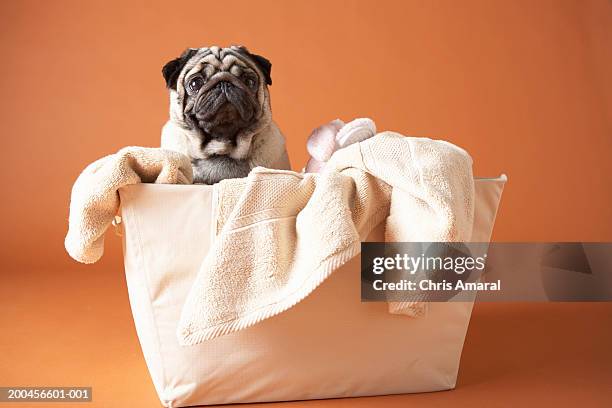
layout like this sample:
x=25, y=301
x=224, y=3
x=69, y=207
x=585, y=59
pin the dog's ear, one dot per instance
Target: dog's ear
x=265, y=65
x=173, y=68
x=262, y=63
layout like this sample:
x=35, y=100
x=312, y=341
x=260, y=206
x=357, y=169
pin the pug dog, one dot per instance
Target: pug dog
x=220, y=115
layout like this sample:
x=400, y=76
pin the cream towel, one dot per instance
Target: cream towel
x=280, y=233
x=94, y=201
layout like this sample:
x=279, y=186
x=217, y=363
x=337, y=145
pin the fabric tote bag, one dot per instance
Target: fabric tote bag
x=329, y=345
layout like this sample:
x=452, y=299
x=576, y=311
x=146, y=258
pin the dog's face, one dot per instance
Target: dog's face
x=220, y=96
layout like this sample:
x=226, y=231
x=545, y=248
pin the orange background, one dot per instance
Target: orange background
x=524, y=86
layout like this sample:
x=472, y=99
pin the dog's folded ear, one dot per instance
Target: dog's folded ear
x=265, y=65
x=262, y=63
x=172, y=69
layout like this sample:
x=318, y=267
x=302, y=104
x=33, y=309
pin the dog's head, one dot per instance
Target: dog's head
x=221, y=96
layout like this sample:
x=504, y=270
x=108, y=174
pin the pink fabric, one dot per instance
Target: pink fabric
x=326, y=139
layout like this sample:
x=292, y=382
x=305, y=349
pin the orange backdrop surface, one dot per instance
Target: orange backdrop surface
x=524, y=86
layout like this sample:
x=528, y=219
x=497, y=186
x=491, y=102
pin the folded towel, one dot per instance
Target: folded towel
x=279, y=234
x=94, y=201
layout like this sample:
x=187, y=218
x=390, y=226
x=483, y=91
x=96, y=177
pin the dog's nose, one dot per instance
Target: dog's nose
x=225, y=86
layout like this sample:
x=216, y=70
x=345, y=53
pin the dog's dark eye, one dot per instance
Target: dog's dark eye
x=250, y=81
x=196, y=83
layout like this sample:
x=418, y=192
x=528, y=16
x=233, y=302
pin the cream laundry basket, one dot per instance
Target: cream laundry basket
x=329, y=345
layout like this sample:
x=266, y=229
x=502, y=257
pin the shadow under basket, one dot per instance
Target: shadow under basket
x=327, y=346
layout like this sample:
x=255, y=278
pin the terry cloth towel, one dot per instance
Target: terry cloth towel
x=280, y=234
x=94, y=201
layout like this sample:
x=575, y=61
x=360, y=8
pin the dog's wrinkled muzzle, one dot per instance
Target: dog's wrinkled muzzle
x=224, y=108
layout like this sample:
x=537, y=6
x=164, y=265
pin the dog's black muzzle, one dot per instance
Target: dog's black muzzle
x=225, y=108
